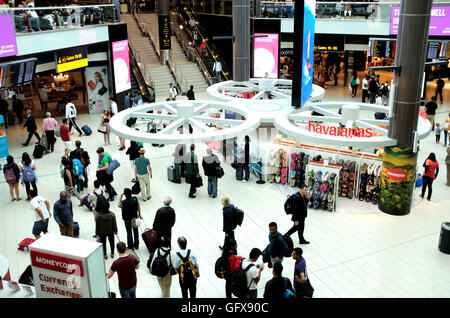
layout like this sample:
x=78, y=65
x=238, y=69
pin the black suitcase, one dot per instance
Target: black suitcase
x=239, y=172
x=76, y=229
x=11, y=120
x=38, y=151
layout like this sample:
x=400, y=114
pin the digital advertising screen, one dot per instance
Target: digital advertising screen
x=71, y=59
x=8, y=45
x=309, y=22
x=17, y=73
x=121, y=62
x=439, y=22
x=265, y=55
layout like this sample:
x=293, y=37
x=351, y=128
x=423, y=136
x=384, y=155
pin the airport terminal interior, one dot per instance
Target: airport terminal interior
x=93, y=55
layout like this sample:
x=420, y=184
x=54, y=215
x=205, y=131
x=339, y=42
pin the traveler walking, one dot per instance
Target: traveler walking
x=365, y=88
x=229, y=221
x=299, y=213
x=12, y=176
x=131, y=210
x=63, y=213
x=82, y=155
x=49, y=125
x=190, y=93
x=217, y=67
x=143, y=173
x=373, y=90
x=277, y=286
x=429, y=175
x=437, y=132
x=178, y=159
x=69, y=178
x=17, y=106
x=105, y=122
x=192, y=171
x=385, y=91
x=162, y=267
x=277, y=246
x=104, y=178
x=27, y=169
x=30, y=123
x=164, y=221
x=127, y=101
x=246, y=158
x=106, y=228
x=42, y=215
x=71, y=114
x=209, y=164
x=173, y=90
x=185, y=264
x=65, y=136
x=446, y=128
x=43, y=97
x=430, y=109
x=299, y=273
x=125, y=266
x=439, y=87
x=231, y=262
x=133, y=154
x=354, y=83
x=254, y=272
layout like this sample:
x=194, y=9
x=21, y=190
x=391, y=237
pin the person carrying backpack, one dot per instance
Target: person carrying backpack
x=253, y=274
x=27, y=168
x=185, y=264
x=229, y=221
x=231, y=262
x=384, y=91
x=277, y=247
x=12, y=176
x=278, y=287
x=161, y=266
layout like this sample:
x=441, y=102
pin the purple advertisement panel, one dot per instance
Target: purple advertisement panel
x=121, y=62
x=8, y=45
x=439, y=22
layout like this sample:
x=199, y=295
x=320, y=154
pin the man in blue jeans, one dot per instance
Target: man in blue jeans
x=209, y=167
x=246, y=158
x=130, y=209
x=125, y=266
x=277, y=247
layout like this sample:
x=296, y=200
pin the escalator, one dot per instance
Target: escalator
x=212, y=55
x=139, y=81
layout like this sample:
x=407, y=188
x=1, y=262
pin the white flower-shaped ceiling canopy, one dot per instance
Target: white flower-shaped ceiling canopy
x=254, y=111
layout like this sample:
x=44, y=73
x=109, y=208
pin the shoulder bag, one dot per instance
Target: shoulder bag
x=308, y=290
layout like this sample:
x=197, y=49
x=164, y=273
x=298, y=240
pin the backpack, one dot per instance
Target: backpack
x=239, y=286
x=10, y=176
x=219, y=268
x=84, y=158
x=187, y=269
x=160, y=267
x=385, y=90
x=28, y=174
x=77, y=167
x=289, y=205
x=287, y=239
x=176, y=90
x=288, y=294
x=238, y=216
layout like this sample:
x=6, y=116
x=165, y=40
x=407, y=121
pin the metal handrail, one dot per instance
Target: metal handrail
x=140, y=76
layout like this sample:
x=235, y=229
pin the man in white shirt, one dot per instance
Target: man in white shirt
x=217, y=67
x=42, y=215
x=173, y=91
x=114, y=109
x=189, y=282
x=365, y=88
x=254, y=272
x=71, y=114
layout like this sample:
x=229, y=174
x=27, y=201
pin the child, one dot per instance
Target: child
x=437, y=131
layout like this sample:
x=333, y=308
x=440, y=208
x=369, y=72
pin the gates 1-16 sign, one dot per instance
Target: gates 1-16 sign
x=71, y=59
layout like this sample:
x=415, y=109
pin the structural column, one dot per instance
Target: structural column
x=164, y=30
x=241, y=44
x=399, y=162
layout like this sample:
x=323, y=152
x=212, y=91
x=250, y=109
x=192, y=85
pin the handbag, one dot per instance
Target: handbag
x=101, y=129
x=102, y=91
x=308, y=290
x=219, y=171
x=135, y=222
x=198, y=181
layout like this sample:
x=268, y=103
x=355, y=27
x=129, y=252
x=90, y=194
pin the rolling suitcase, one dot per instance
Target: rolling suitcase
x=172, y=174
x=38, y=151
x=149, y=238
x=86, y=130
x=84, y=201
x=239, y=172
x=76, y=229
x=23, y=245
x=11, y=120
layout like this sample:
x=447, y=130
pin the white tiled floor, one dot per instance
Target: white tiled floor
x=350, y=255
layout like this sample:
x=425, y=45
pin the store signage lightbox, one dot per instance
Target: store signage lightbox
x=164, y=32
x=309, y=22
x=340, y=131
x=71, y=59
x=121, y=60
x=8, y=45
x=265, y=55
x=439, y=21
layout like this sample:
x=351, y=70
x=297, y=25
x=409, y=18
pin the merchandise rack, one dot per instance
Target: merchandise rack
x=330, y=168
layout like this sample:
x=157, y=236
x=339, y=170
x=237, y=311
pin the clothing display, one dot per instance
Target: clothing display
x=347, y=177
x=370, y=179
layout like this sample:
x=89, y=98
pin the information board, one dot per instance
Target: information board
x=17, y=73
x=164, y=32
x=71, y=59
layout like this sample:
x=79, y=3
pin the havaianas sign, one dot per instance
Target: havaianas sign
x=340, y=131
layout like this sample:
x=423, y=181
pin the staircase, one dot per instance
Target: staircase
x=158, y=74
x=188, y=71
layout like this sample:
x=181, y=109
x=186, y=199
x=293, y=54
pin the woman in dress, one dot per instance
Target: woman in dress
x=105, y=122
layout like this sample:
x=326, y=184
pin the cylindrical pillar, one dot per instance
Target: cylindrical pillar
x=399, y=162
x=241, y=44
x=163, y=11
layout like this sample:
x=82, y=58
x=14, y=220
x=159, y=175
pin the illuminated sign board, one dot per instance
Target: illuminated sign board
x=71, y=59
